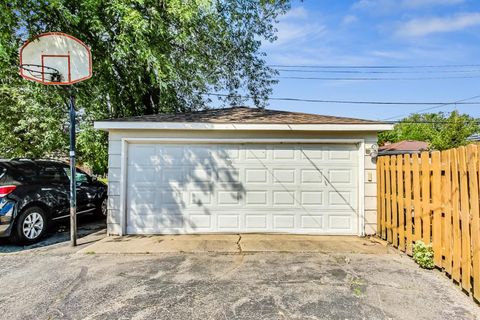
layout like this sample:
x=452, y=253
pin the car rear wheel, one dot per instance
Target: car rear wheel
x=102, y=209
x=31, y=225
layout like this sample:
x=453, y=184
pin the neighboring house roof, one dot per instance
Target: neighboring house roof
x=243, y=118
x=406, y=146
x=245, y=115
x=474, y=137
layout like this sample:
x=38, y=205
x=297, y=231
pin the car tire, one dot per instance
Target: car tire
x=102, y=209
x=31, y=225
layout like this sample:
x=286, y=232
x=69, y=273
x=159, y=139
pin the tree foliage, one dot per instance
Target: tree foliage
x=149, y=56
x=442, y=131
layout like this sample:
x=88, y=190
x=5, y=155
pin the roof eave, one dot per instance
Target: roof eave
x=123, y=125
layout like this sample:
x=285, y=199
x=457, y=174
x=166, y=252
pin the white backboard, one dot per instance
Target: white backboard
x=55, y=58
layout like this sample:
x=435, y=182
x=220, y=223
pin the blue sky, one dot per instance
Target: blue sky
x=375, y=33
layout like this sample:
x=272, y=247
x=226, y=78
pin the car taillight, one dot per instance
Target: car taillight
x=5, y=190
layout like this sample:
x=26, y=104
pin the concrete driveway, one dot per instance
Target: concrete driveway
x=57, y=282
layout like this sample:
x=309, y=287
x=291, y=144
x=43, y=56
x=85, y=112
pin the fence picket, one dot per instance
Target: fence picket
x=465, y=218
x=401, y=205
x=437, y=208
x=457, y=235
x=388, y=180
x=379, y=191
x=417, y=202
x=394, y=225
x=425, y=163
x=472, y=162
x=408, y=204
x=447, y=209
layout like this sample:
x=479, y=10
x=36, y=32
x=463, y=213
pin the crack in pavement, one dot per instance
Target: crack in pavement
x=238, y=244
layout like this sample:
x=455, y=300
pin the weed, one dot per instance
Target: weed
x=423, y=255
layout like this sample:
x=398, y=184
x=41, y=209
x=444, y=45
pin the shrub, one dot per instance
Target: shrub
x=423, y=255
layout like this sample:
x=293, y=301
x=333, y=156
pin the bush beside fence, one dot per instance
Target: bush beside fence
x=434, y=197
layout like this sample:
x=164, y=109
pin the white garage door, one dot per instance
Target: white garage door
x=192, y=188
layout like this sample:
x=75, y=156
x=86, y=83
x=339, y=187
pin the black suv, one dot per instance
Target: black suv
x=33, y=193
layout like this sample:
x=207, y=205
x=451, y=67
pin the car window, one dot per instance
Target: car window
x=81, y=176
x=52, y=174
x=23, y=172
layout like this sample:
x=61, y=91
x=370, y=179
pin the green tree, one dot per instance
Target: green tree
x=442, y=131
x=149, y=56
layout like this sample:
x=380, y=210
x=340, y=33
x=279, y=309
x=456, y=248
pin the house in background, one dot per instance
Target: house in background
x=241, y=169
x=403, y=147
x=475, y=138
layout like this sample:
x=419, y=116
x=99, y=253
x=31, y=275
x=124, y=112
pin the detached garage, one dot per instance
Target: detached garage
x=239, y=170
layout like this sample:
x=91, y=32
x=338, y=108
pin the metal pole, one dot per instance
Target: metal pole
x=73, y=176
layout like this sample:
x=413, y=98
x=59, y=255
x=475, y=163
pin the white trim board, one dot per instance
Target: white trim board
x=121, y=125
x=124, y=160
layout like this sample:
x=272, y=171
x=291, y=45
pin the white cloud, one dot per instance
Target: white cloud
x=296, y=13
x=289, y=32
x=426, y=3
x=295, y=26
x=349, y=19
x=393, y=5
x=426, y=26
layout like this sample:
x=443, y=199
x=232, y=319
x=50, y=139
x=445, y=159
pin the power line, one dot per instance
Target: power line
x=374, y=67
x=350, y=101
x=375, y=72
x=376, y=79
x=461, y=101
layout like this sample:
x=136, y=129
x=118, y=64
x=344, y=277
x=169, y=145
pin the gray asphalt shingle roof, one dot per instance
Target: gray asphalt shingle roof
x=245, y=115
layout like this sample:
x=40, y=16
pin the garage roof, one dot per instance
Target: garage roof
x=244, y=115
x=250, y=118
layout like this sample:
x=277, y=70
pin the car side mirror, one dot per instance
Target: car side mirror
x=94, y=179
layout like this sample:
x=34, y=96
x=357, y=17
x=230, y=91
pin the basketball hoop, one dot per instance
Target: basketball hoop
x=56, y=58
x=41, y=72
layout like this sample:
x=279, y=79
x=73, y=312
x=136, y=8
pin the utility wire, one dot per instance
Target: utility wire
x=462, y=101
x=374, y=67
x=375, y=72
x=436, y=104
x=376, y=79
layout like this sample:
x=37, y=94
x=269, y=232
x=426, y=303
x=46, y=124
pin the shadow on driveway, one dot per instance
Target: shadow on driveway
x=58, y=233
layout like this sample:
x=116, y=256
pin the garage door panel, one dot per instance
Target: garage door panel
x=283, y=198
x=342, y=199
x=340, y=222
x=256, y=198
x=230, y=222
x=312, y=221
x=312, y=198
x=242, y=188
x=256, y=176
x=284, y=176
x=284, y=153
x=256, y=222
x=229, y=198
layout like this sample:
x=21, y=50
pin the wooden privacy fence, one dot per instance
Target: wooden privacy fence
x=434, y=197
